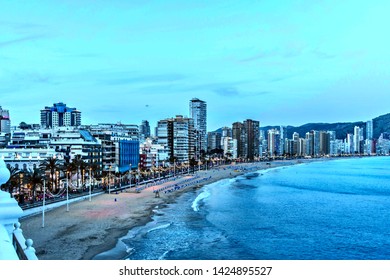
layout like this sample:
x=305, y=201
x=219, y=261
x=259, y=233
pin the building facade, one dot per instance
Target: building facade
x=144, y=130
x=5, y=122
x=60, y=115
x=198, y=112
x=251, y=138
x=213, y=141
x=178, y=135
x=120, y=145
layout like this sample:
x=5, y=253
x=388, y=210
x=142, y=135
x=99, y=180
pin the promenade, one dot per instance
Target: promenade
x=92, y=227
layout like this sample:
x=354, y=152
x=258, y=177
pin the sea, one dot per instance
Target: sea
x=323, y=210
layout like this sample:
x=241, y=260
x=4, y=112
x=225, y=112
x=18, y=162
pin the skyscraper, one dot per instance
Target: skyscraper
x=198, y=112
x=309, y=151
x=283, y=136
x=295, y=143
x=238, y=136
x=324, y=143
x=273, y=142
x=60, y=115
x=144, y=129
x=251, y=138
x=213, y=141
x=369, y=129
x=368, y=145
x=357, y=137
x=5, y=122
x=177, y=135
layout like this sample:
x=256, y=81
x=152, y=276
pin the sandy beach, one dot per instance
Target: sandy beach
x=92, y=227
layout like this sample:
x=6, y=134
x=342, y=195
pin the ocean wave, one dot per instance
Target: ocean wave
x=159, y=227
x=162, y=257
x=158, y=212
x=202, y=196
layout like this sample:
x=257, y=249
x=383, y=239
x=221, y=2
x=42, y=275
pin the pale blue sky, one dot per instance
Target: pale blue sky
x=279, y=62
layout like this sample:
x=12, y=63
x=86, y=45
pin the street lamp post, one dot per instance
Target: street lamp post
x=44, y=203
x=174, y=168
x=109, y=180
x=67, y=193
x=90, y=183
x=120, y=179
x=139, y=178
x=130, y=174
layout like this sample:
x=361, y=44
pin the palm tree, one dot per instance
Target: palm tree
x=34, y=178
x=67, y=168
x=83, y=166
x=95, y=169
x=52, y=165
x=14, y=179
x=78, y=165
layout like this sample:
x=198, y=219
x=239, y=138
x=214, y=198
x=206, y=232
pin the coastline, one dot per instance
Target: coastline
x=91, y=228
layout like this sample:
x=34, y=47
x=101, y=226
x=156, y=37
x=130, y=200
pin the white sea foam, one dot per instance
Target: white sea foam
x=202, y=196
x=162, y=257
x=158, y=212
x=159, y=227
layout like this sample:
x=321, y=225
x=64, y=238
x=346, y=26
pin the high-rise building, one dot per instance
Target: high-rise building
x=369, y=129
x=5, y=122
x=283, y=136
x=309, y=151
x=144, y=129
x=247, y=135
x=349, y=144
x=237, y=133
x=302, y=147
x=213, y=140
x=198, y=112
x=273, y=142
x=120, y=144
x=316, y=146
x=177, y=134
x=251, y=138
x=357, y=138
x=226, y=141
x=60, y=115
x=324, y=143
x=226, y=132
x=295, y=144
x=229, y=146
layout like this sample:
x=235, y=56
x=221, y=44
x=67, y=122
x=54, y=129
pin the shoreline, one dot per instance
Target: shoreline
x=92, y=228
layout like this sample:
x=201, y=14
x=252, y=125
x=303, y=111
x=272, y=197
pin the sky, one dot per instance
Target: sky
x=278, y=62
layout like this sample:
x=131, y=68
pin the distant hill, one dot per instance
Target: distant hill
x=381, y=124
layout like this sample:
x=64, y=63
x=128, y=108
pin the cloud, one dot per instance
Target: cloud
x=21, y=40
x=234, y=92
x=21, y=25
x=160, y=78
x=288, y=52
x=284, y=77
x=227, y=92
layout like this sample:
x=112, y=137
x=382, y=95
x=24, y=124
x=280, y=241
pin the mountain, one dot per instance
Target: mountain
x=381, y=124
